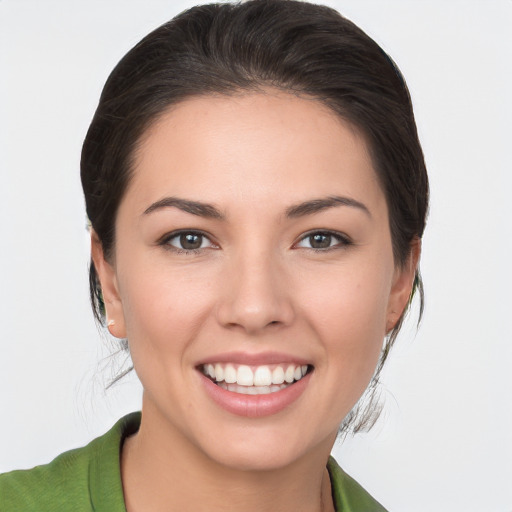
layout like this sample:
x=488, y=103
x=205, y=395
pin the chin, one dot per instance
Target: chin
x=255, y=458
x=266, y=448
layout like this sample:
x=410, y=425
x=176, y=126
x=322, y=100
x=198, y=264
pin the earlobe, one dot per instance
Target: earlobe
x=403, y=281
x=110, y=291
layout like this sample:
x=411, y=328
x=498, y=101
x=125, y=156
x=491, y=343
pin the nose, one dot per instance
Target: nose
x=255, y=295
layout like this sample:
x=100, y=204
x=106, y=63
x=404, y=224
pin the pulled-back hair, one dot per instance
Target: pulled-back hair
x=297, y=47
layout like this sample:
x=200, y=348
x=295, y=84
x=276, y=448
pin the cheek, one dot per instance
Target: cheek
x=164, y=308
x=348, y=309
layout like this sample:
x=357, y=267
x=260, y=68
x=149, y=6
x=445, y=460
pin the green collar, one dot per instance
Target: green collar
x=106, y=489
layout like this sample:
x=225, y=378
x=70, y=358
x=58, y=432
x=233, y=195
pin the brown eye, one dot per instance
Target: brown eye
x=323, y=240
x=191, y=241
x=187, y=241
x=320, y=240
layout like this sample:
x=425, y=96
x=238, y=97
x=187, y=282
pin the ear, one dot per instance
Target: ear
x=403, y=280
x=109, y=288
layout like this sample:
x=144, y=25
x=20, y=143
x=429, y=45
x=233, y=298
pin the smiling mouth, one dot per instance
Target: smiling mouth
x=255, y=380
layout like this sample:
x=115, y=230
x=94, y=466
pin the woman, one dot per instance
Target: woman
x=257, y=195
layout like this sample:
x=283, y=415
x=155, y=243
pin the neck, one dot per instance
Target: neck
x=161, y=472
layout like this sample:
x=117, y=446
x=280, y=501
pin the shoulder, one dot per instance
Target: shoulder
x=348, y=495
x=75, y=480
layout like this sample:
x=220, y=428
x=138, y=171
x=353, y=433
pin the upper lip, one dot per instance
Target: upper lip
x=257, y=359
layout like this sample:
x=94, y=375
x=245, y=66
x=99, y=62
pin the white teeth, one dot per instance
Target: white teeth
x=289, y=374
x=230, y=374
x=244, y=376
x=278, y=375
x=219, y=373
x=262, y=376
x=251, y=390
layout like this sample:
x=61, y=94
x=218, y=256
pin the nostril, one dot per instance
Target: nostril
x=253, y=309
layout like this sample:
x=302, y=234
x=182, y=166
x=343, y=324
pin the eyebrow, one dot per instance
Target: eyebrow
x=299, y=210
x=194, y=207
x=318, y=205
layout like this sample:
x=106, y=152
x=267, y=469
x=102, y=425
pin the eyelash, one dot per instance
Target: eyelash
x=343, y=241
x=165, y=241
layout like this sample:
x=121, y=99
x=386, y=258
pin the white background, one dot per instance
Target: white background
x=444, y=442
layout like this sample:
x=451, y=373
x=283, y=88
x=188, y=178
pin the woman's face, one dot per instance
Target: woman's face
x=253, y=276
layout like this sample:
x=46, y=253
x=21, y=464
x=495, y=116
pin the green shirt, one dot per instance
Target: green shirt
x=89, y=479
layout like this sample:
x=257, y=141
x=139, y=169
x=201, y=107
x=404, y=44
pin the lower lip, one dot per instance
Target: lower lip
x=255, y=406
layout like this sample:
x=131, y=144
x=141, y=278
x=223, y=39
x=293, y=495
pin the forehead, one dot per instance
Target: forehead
x=269, y=146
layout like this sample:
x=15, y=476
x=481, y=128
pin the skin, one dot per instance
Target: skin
x=255, y=286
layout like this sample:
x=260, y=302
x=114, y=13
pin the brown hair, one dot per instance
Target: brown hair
x=294, y=46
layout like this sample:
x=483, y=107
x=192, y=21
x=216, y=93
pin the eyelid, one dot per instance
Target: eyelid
x=164, y=240
x=343, y=239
